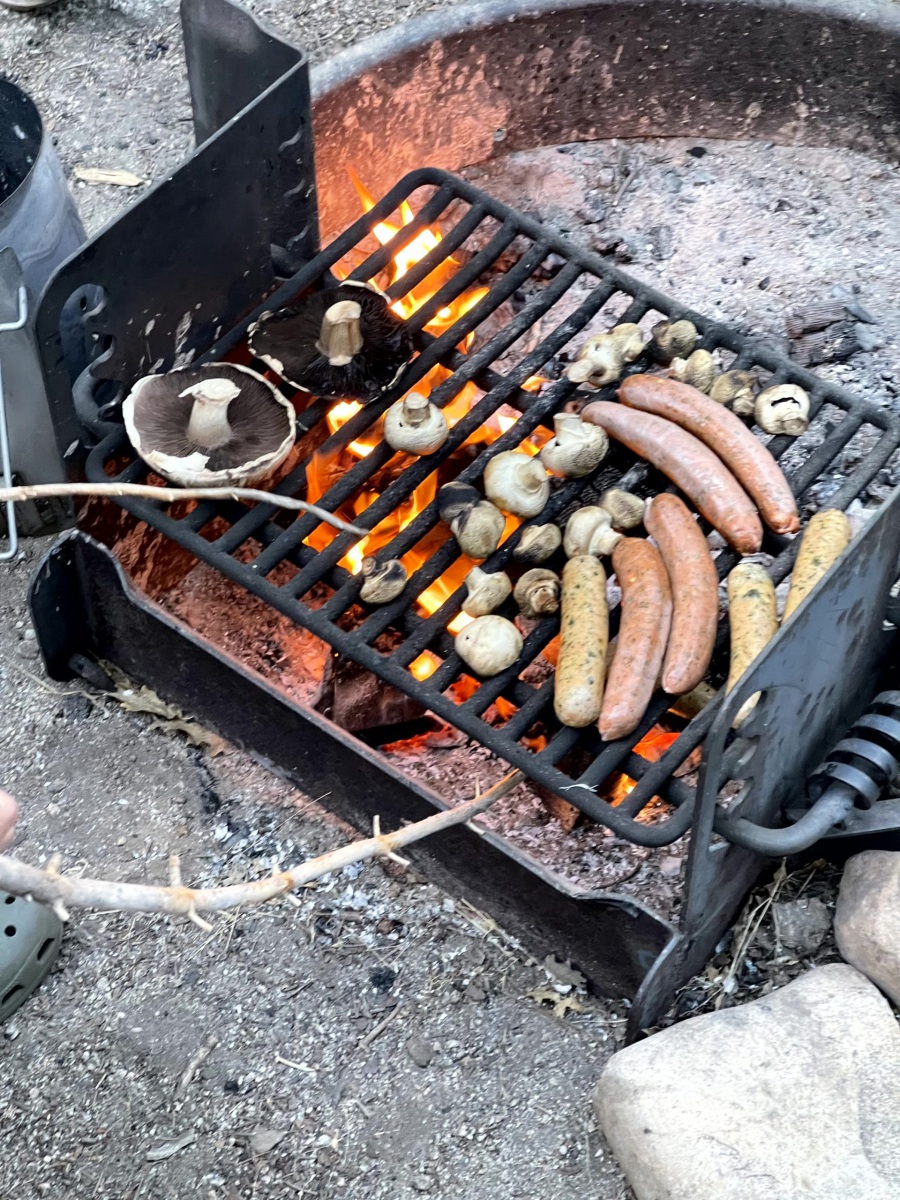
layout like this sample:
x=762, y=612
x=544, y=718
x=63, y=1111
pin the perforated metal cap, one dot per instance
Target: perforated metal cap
x=30, y=937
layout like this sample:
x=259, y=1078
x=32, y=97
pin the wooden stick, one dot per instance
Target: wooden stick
x=41, y=491
x=63, y=891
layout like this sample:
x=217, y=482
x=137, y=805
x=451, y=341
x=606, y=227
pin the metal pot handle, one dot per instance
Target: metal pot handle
x=5, y=462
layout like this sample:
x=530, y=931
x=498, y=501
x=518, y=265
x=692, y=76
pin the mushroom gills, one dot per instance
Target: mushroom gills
x=343, y=342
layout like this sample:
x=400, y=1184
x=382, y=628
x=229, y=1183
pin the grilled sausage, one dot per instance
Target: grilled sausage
x=688, y=463
x=824, y=540
x=643, y=634
x=584, y=636
x=715, y=425
x=695, y=592
x=754, y=622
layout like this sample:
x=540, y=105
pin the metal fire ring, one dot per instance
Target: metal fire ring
x=465, y=84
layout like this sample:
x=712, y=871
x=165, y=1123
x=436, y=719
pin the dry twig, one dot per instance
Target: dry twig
x=42, y=491
x=60, y=891
x=195, y=1064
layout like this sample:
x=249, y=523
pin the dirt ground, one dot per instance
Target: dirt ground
x=375, y=1039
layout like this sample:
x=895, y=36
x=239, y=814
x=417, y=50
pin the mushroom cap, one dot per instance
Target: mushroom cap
x=286, y=341
x=157, y=415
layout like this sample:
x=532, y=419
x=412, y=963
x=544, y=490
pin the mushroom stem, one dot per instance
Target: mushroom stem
x=208, y=425
x=341, y=338
x=416, y=408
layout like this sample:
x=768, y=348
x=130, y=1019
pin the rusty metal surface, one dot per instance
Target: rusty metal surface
x=464, y=84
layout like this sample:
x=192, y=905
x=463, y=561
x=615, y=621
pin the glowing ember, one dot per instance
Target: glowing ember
x=652, y=746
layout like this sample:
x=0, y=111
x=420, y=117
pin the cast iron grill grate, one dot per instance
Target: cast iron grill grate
x=848, y=443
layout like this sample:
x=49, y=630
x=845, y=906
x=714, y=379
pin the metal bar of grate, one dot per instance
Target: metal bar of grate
x=498, y=366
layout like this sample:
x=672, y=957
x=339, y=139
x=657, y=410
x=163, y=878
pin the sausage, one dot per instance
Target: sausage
x=695, y=592
x=825, y=539
x=584, y=637
x=754, y=622
x=643, y=634
x=689, y=464
x=740, y=450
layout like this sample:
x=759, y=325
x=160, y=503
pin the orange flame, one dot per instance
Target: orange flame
x=652, y=746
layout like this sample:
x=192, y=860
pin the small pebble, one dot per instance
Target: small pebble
x=669, y=866
x=420, y=1050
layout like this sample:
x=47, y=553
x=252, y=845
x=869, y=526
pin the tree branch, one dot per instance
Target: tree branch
x=41, y=491
x=61, y=892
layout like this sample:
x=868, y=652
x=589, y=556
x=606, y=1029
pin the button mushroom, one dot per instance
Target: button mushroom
x=488, y=645
x=517, y=483
x=537, y=543
x=343, y=342
x=630, y=339
x=487, y=591
x=735, y=388
x=382, y=581
x=589, y=531
x=477, y=524
x=537, y=592
x=626, y=511
x=577, y=449
x=673, y=339
x=783, y=409
x=210, y=426
x=415, y=425
x=600, y=361
x=699, y=370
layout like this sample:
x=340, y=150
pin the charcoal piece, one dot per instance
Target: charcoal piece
x=356, y=699
x=662, y=242
x=837, y=343
x=813, y=317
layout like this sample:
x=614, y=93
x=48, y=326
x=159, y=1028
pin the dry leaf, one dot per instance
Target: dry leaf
x=561, y=1004
x=167, y=1149
x=170, y=718
x=114, y=177
x=563, y=972
x=261, y=1141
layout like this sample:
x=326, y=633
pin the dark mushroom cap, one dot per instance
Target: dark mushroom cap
x=157, y=416
x=289, y=341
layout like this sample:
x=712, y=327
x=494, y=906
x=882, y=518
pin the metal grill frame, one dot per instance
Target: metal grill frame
x=287, y=545
x=85, y=609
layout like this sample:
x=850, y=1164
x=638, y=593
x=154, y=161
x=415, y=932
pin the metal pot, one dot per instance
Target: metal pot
x=39, y=228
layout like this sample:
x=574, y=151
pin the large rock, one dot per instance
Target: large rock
x=793, y=1097
x=867, y=918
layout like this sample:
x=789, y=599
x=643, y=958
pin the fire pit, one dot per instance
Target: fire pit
x=450, y=258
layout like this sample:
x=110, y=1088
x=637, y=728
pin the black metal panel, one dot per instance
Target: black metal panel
x=189, y=259
x=838, y=417
x=232, y=59
x=83, y=605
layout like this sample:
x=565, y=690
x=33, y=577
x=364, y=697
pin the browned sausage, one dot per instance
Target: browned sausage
x=689, y=464
x=643, y=634
x=695, y=592
x=743, y=453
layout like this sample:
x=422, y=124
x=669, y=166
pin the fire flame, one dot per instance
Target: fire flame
x=324, y=470
x=652, y=746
